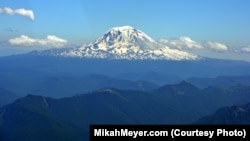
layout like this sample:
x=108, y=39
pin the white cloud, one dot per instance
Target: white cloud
x=246, y=49
x=216, y=46
x=50, y=41
x=22, y=12
x=181, y=43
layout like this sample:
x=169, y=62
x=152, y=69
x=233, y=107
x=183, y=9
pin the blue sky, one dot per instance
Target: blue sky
x=206, y=22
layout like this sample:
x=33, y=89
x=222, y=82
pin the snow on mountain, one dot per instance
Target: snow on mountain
x=124, y=43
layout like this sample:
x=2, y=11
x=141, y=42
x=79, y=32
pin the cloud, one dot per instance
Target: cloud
x=219, y=47
x=22, y=12
x=51, y=41
x=246, y=49
x=181, y=43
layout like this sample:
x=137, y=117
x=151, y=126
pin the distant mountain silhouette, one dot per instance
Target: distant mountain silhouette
x=225, y=81
x=157, y=71
x=59, y=86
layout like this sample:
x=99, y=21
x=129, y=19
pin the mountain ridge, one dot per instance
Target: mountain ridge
x=236, y=114
x=38, y=116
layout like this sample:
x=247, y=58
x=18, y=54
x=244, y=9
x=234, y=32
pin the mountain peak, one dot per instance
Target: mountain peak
x=125, y=42
x=122, y=28
x=182, y=88
x=130, y=33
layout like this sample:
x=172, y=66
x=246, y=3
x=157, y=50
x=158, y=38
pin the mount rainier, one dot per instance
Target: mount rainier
x=123, y=42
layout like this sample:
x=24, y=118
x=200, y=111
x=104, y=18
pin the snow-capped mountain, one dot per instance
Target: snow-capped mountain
x=124, y=43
